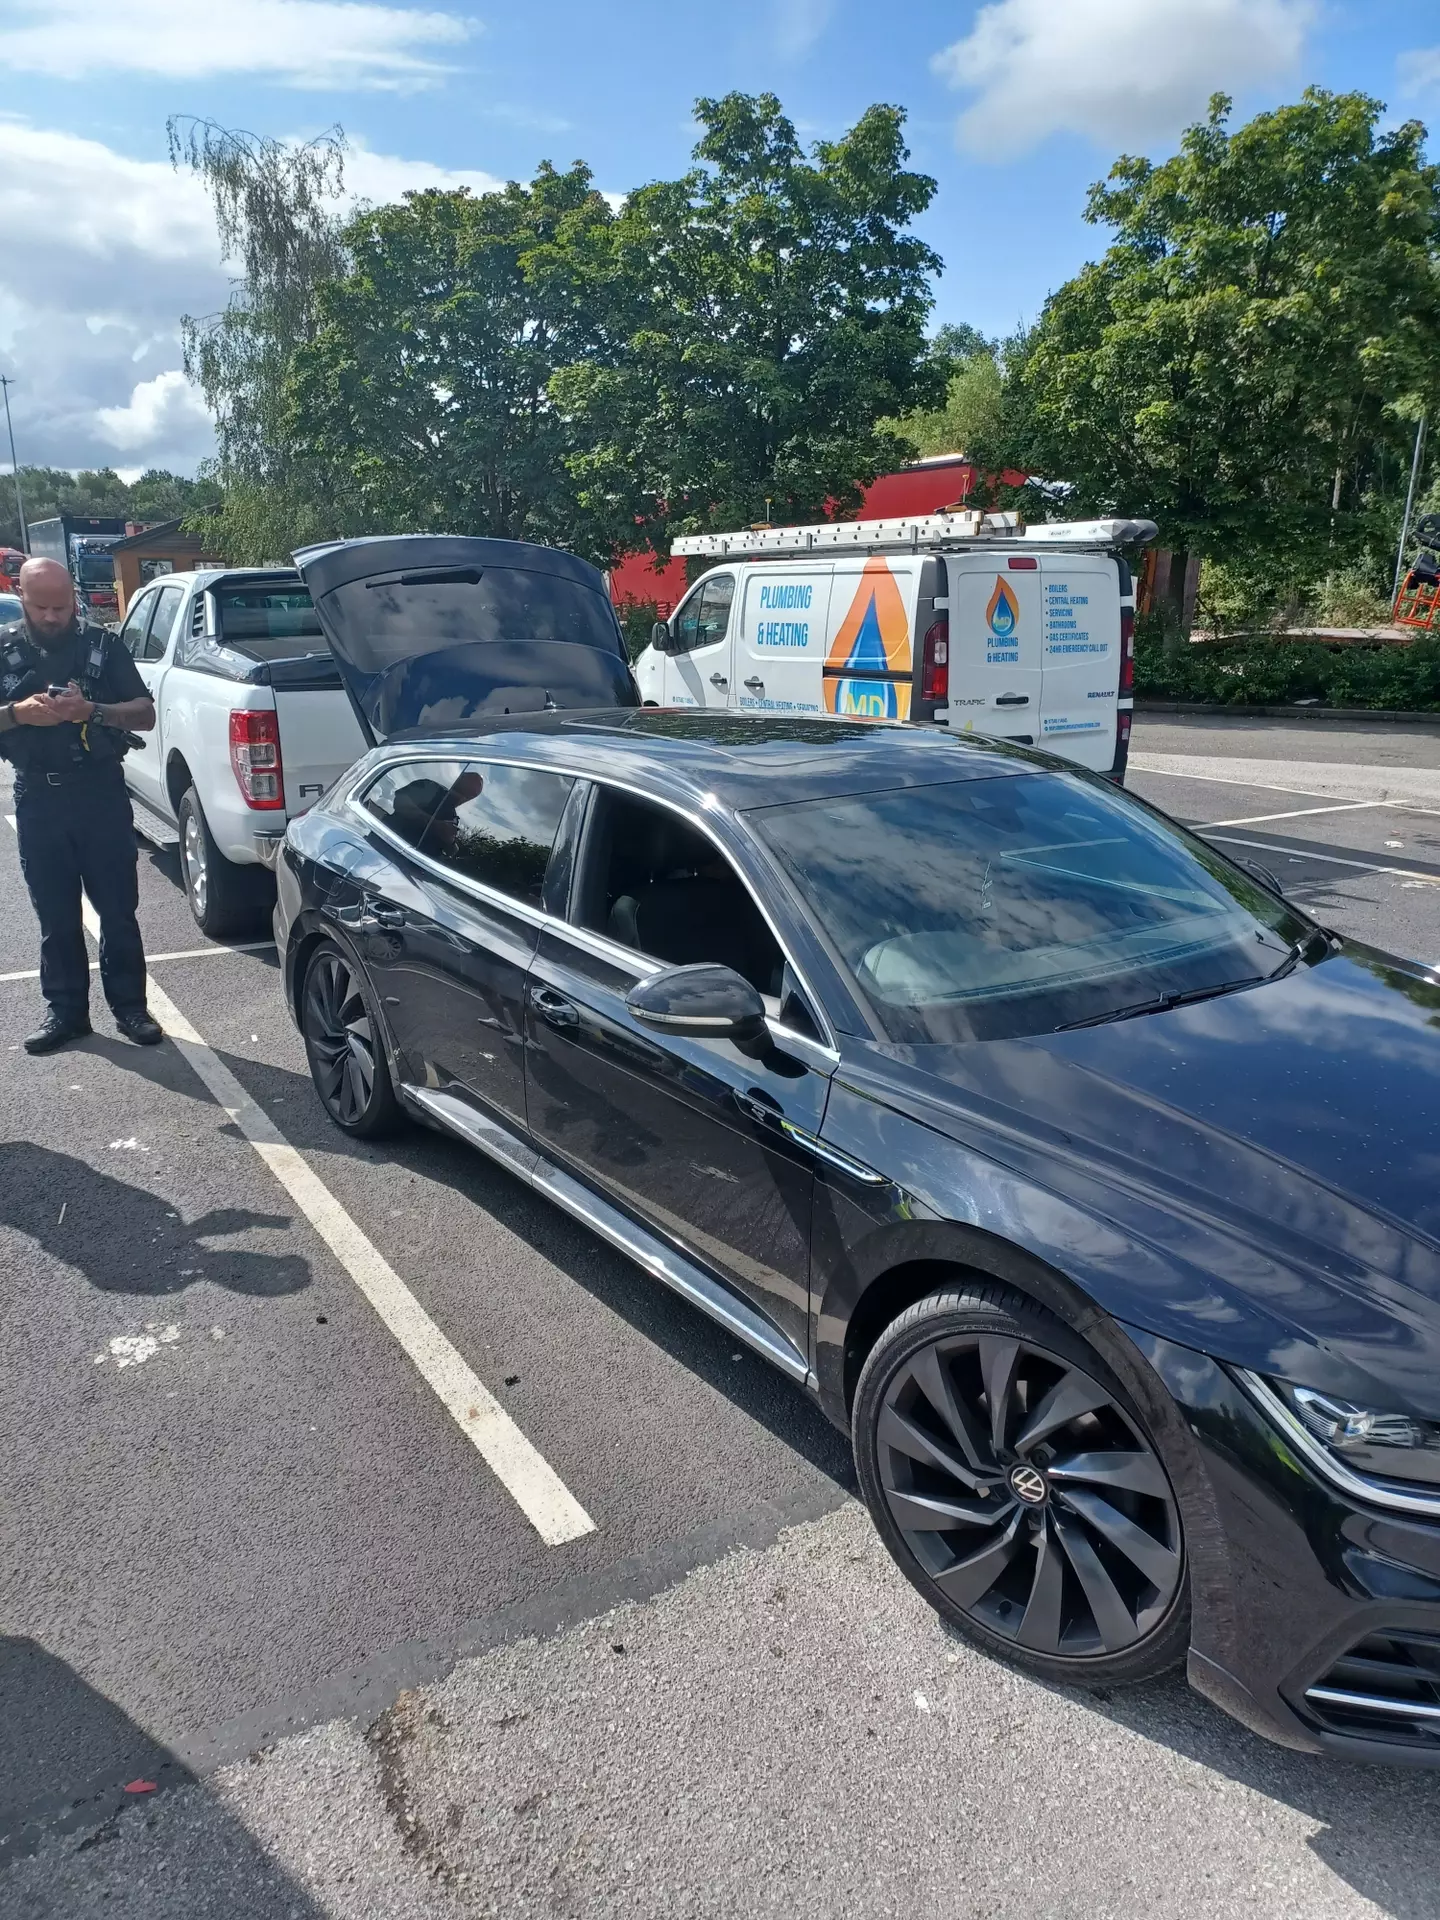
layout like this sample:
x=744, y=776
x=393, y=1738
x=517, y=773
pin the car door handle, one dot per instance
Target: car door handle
x=719, y=680
x=1012, y=699
x=755, y=684
x=554, y=1008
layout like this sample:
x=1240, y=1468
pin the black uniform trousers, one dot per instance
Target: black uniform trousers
x=76, y=830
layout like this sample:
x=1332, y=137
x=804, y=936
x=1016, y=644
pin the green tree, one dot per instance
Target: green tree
x=277, y=207
x=972, y=415
x=765, y=315
x=421, y=402
x=1244, y=362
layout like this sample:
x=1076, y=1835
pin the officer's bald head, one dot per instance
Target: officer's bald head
x=47, y=593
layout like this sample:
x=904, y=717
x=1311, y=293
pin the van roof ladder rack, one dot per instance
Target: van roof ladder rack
x=925, y=533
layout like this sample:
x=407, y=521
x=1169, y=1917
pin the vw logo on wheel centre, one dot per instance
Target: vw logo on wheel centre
x=1028, y=1484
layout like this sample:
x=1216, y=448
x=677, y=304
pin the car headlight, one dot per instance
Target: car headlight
x=1391, y=1444
x=1374, y=1454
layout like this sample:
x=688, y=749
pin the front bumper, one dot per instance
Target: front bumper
x=1316, y=1618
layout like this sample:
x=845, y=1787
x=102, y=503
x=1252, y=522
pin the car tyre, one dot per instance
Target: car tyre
x=1017, y=1487
x=224, y=898
x=344, y=1043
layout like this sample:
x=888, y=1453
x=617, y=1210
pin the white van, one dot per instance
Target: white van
x=951, y=620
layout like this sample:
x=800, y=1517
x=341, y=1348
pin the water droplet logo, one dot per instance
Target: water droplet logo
x=1003, y=612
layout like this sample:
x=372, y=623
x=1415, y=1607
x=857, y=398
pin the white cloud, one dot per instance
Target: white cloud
x=161, y=411
x=1123, y=73
x=799, y=24
x=382, y=177
x=299, y=43
x=102, y=255
x=1419, y=70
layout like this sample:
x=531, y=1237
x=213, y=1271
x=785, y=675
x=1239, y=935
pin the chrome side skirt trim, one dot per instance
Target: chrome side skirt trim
x=472, y=1126
x=662, y=1262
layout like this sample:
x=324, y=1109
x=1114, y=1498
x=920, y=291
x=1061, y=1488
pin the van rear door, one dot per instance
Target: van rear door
x=996, y=622
x=1081, y=664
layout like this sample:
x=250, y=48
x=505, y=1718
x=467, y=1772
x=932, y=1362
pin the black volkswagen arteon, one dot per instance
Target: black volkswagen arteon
x=1090, y=1186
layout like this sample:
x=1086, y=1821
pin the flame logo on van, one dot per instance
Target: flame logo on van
x=1003, y=612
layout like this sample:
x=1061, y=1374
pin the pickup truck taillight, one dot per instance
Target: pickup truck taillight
x=1127, y=650
x=935, y=660
x=255, y=756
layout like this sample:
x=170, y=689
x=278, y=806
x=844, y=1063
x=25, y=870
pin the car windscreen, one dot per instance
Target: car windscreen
x=95, y=569
x=382, y=620
x=988, y=909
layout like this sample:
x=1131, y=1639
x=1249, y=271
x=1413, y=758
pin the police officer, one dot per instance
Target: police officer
x=71, y=807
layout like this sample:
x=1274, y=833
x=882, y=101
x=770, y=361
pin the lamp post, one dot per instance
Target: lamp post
x=6, y=384
x=1409, y=505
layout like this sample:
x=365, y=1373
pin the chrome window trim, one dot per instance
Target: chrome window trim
x=597, y=943
x=1376, y=1493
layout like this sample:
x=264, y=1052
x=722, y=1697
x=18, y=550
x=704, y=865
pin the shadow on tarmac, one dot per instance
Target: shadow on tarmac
x=682, y=1331
x=127, y=1240
x=65, y=1762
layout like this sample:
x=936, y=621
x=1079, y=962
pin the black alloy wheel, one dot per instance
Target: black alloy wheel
x=345, y=1048
x=1018, y=1490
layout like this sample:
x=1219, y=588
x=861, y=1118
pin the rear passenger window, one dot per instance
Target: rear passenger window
x=407, y=798
x=493, y=824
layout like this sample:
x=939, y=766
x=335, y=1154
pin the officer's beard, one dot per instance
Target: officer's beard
x=52, y=643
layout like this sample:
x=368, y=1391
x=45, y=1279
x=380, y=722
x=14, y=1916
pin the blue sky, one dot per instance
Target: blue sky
x=1014, y=106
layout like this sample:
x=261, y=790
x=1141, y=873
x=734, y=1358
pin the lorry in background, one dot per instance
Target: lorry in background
x=961, y=620
x=81, y=544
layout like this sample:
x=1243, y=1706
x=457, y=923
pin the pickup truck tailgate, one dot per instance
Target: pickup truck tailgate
x=319, y=734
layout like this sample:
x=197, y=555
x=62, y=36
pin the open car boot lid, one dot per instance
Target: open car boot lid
x=431, y=630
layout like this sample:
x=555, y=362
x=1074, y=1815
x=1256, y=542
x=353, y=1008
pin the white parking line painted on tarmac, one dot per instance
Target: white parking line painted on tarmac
x=153, y=959
x=1300, y=813
x=1326, y=859
x=525, y=1474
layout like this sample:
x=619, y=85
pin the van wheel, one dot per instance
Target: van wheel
x=224, y=898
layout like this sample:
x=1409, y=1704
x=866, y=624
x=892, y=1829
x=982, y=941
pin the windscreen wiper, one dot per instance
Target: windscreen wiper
x=1163, y=1002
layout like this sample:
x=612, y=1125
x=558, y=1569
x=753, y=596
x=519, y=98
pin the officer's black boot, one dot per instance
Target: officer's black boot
x=58, y=1030
x=137, y=1024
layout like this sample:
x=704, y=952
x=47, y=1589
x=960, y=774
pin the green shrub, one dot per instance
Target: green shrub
x=1266, y=673
x=637, y=617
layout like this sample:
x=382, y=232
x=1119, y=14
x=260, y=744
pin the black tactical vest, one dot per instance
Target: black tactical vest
x=25, y=669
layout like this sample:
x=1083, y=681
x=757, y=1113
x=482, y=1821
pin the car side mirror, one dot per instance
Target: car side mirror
x=705, y=1002
x=660, y=636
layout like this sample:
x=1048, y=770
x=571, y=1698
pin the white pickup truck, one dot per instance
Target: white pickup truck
x=253, y=724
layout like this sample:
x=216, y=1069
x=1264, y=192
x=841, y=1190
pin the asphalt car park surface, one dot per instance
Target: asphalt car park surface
x=235, y=1509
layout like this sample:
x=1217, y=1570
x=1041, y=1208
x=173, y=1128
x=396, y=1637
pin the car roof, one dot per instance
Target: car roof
x=735, y=760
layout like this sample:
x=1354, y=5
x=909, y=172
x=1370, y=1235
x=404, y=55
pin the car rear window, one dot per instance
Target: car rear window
x=987, y=909
x=382, y=621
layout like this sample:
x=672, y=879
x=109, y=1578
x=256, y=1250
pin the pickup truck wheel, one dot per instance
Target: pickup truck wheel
x=224, y=898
